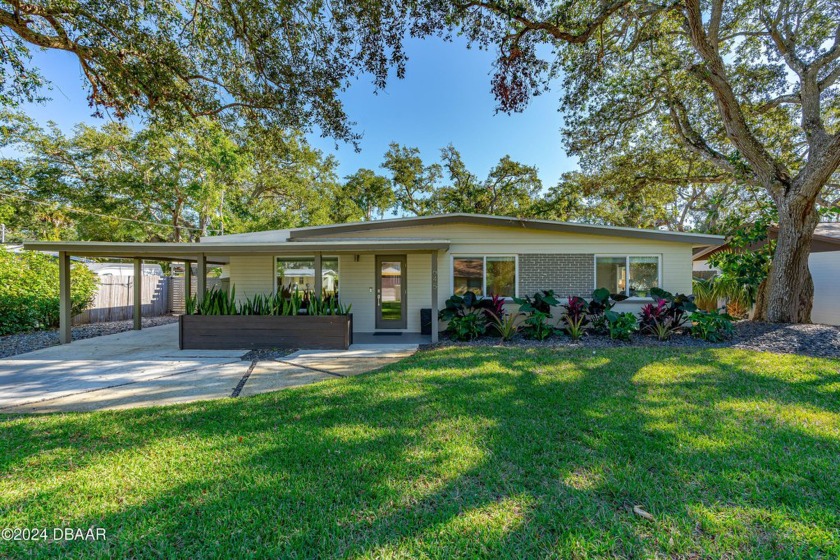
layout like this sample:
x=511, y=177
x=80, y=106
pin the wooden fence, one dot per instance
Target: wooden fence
x=114, y=301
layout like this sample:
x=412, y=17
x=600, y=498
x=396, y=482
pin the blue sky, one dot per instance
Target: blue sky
x=445, y=98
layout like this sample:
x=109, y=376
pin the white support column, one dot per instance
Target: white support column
x=201, y=278
x=434, y=297
x=319, y=276
x=65, y=307
x=138, y=294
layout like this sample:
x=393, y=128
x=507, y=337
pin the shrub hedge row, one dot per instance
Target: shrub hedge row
x=29, y=291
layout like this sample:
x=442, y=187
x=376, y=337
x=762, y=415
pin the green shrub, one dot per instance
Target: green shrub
x=602, y=301
x=467, y=327
x=711, y=326
x=506, y=324
x=29, y=291
x=537, y=327
x=620, y=325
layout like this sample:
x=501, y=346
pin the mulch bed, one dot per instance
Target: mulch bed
x=14, y=344
x=821, y=341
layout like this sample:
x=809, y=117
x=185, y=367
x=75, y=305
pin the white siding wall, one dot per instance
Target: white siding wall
x=479, y=240
x=252, y=275
x=825, y=270
x=357, y=285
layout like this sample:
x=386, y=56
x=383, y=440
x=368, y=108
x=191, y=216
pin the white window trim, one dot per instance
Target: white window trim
x=627, y=264
x=483, y=257
x=293, y=257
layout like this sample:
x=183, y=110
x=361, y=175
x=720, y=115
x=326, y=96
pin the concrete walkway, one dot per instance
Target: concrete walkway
x=145, y=368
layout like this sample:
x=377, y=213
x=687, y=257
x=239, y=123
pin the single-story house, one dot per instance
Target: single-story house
x=824, y=263
x=391, y=270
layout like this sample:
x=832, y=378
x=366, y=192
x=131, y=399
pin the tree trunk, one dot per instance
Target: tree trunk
x=790, y=292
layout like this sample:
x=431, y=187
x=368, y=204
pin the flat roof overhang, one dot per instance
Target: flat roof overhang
x=193, y=251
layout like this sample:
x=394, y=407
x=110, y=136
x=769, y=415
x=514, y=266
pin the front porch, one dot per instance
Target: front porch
x=390, y=283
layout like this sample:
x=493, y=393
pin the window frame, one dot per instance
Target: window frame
x=627, y=257
x=296, y=257
x=483, y=257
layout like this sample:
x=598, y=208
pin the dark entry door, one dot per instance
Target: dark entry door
x=390, y=292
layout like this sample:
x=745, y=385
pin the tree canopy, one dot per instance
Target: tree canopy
x=277, y=63
x=751, y=87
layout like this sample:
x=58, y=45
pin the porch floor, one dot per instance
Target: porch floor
x=402, y=339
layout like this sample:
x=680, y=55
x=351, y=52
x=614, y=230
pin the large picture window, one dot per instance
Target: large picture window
x=484, y=275
x=298, y=274
x=633, y=276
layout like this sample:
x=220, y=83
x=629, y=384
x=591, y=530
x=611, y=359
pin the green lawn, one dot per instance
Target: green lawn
x=459, y=452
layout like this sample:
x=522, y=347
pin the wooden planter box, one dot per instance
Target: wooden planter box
x=232, y=332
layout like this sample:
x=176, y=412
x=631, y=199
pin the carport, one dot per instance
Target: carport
x=220, y=253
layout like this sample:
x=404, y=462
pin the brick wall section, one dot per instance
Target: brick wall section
x=567, y=275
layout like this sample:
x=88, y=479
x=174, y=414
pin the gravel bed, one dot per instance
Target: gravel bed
x=822, y=341
x=14, y=344
x=267, y=354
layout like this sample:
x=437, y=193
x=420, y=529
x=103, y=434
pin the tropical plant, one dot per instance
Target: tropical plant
x=537, y=326
x=620, y=325
x=711, y=326
x=656, y=319
x=575, y=318
x=705, y=293
x=468, y=326
x=506, y=324
x=214, y=302
x=601, y=302
x=678, y=305
x=541, y=301
x=327, y=306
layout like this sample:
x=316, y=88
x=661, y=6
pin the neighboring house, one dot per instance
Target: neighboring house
x=824, y=263
x=390, y=270
x=123, y=269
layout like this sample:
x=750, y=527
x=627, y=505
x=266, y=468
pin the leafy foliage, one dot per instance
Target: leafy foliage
x=620, y=325
x=575, y=317
x=158, y=183
x=222, y=302
x=541, y=302
x=29, y=291
x=537, y=326
x=468, y=326
x=506, y=324
x=711, y=326
x=271, y=64
x=744, y=266
x=600, y=303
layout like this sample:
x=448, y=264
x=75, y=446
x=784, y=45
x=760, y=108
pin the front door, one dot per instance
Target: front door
x=390, y=292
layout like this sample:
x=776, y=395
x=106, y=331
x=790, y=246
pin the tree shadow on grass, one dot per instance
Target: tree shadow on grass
x=470, y=452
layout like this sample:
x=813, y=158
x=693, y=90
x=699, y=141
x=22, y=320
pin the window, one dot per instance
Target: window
x=298, y=274
x=629, y=275
x=492, y=276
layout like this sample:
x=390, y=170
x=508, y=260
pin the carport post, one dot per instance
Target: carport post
x=187, y=280
x=434, y=297
x=319, y=276
x=201, y=280
x=65, y=303
x=138, y=294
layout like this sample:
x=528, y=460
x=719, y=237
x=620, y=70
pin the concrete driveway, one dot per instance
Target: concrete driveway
x=145, y=368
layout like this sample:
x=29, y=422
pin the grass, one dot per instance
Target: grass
x=459, y=452
x=391, y=310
